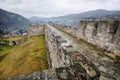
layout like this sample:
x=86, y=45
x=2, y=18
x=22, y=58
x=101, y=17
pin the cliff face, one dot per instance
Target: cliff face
x=105, y=34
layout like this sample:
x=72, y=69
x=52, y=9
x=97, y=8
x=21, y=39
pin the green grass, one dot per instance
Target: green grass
x=24, y=58
x=4, y=50
x=12, y=38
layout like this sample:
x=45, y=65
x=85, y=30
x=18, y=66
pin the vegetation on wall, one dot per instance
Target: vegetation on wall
x=112, y=22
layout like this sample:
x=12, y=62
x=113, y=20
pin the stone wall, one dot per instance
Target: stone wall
x=105, y=34
x=65, y=62
x=73, y=72
x=35, y=29
x=56, y=55
x=62, y=54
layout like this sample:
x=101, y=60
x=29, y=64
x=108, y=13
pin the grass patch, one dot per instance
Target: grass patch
x=13, y=38
x=4, y=50
x=24, y=58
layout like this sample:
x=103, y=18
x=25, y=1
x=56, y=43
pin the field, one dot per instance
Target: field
x=26, y=57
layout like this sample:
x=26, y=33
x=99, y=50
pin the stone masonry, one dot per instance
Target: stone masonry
x=65, y=62
x=104, y=34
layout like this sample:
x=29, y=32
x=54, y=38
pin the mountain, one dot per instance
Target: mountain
x=11, y=21
x=93, y=13
x=34, y=18
x=73, y=19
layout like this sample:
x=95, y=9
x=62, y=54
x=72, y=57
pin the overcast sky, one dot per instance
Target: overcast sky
x=52, y=8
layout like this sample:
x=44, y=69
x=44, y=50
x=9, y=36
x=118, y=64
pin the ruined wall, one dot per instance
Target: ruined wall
x=105, y=34
x=73, y=72
x=62, y=54
x=65, y=63
x=35, y=29
x=56, y=53
x=68, y=64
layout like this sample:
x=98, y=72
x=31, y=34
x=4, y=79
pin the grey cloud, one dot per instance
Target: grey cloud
x=50, y=8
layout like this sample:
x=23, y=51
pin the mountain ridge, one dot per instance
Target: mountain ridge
x=99, y=14
x=11, y=20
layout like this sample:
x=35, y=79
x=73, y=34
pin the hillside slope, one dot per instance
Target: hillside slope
x=73, y=19
x=92, y=13
x=11, y=20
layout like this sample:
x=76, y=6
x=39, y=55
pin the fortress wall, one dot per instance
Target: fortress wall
x=65, y=63
x=62, y=55
x=104, y=34
x=56, y=52
x=35, y=29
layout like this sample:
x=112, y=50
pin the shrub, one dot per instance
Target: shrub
x=112, y=22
